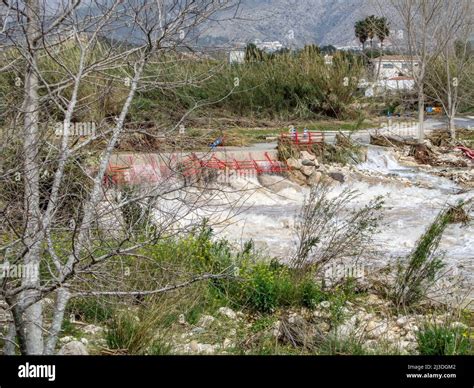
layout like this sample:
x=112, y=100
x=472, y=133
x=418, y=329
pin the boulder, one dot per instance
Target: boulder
x=206, y=321
x=227, y=312
x=276, y=183
x=92, y=329
x=315, y=178
x=308, y=170
x=73, y=348
x=348, y=329
x=181, y=319
x=307, y=162
x=198, y=330
x=298, y=177
x=307, y=155
x=337, y=176
x=376, y=329
x=294, y=164
x=402, y=321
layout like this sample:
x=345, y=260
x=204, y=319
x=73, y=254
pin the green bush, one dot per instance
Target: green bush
x=265, y=286
x=422, y=267
x=310, y=294
x=436, y=340
x=122, y=331
x=92, y=310
x=136, y=334
x=335, y=346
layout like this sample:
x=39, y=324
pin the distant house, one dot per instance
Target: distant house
x=237, y=56
x=392, y=73
x=268, y=47
x=392, y=66
x=399, y=83
x=328, y=59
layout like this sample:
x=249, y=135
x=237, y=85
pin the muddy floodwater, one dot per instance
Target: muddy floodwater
x=412, y=199
x=241, y=208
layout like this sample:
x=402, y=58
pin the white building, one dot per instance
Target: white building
x=399, y=83
x=268, y=46
x=237, y=56
x=390, y=66
x=394, y=84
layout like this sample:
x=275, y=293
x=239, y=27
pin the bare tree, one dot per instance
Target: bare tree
x=428, y=26
x=448, y=81
x=70, y=57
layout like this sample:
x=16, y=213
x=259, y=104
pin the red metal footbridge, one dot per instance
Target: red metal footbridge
x=303, y=139
x=151, y=169
x=194, y=165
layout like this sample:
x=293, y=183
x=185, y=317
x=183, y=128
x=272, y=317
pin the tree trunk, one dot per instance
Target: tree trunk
x=421, y=115
x=9, y=348
x=62, y=300
x=452, y=126
x=30, y=330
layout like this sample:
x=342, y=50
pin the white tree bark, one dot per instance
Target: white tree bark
x=30, y=327
x=156, y=20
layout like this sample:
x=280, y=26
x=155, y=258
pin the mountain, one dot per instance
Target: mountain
x=308, y=21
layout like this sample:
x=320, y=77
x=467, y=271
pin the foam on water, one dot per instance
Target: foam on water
x=380, y=160
x=267, y=217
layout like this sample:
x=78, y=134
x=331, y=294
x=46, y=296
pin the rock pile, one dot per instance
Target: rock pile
x=366, y=324
x=308, y=171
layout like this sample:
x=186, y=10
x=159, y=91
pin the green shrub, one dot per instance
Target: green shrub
x=338, y=298
x=92, y=310
x=310, y=294
x=436, y=340
x=265, y=286
x=122, y=332
x=134, y=334
x=336, y=346
x=420, y=270
x=68, y=328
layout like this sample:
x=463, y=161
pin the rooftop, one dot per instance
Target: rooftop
x=392, y=58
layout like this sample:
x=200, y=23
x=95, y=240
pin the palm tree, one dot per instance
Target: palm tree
x=361, y=32
x=382, y=30
x=371, y=26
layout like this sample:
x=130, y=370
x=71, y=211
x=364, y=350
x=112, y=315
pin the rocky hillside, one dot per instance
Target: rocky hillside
x=312, y=21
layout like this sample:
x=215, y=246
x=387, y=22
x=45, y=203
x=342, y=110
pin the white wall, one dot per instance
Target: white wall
x=390, y=69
